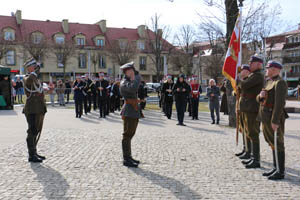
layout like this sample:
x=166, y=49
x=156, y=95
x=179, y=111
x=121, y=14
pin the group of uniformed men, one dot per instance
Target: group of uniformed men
x=102, y=92
x=261, y=102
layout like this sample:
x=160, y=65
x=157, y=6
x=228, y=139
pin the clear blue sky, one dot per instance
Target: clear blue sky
x=126, y=13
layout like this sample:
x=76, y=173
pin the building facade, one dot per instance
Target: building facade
x=66, y=49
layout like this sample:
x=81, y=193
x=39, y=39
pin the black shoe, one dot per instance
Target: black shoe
x=40, y=157
x=269, y=173
x=276, y=176
x=135, y=161
x=196, y=118
x=79, y=116
x=76, y=116
x=178, y=124
x=218, y=122
x=246, y=162
x=245, y=156
x=129, y=163
x=253, y=164
x=239, y=154
x=34, y=159
x=213, y=122
x=182, y=124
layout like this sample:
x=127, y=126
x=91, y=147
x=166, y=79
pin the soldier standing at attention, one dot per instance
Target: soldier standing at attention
x=250, y=88
x=130, y=111
x=245, y=71
x=272, y=115
x=34, y=109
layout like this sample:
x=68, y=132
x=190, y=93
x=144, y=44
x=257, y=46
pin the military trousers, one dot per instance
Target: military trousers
x=269, y=135
x=87, y=101
x=102, y=104
x=130, y=126
x=252, y=132
x=35, y=125
x=180, y=108
x=78, y=106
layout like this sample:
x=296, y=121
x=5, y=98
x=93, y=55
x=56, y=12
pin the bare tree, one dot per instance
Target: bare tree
x=157, y=45
x=37, y=48
x=183, y=58
x=64, y=51
x=121, y=51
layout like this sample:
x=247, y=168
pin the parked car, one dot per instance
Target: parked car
x=152, y=87
x=292, y=92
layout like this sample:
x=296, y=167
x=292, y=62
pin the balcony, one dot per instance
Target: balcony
x=286, y=60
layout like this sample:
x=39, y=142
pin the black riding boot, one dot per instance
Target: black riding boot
x=279, y=174
x=247, y=154
x=270, y=172
x=255, y=163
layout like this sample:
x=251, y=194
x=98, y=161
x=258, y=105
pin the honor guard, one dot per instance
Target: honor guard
x=250, y=88
x=245, y=72
x=130, y=111
x=272, y=115
x=167, y=90
x=34, y=109
x=195, y=94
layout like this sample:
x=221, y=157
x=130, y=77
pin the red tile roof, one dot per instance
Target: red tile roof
x=50, y=28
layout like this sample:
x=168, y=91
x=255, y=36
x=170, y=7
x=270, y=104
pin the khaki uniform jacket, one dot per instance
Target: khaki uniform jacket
x=250, y=88
x=129, y=90
x=273, y=108
x=35, y=103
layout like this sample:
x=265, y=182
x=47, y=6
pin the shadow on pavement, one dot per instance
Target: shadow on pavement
x=292, y=176
x=54, y=184
x=178, y=189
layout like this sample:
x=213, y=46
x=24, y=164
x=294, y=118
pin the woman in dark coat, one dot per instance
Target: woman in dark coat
x=224, y=105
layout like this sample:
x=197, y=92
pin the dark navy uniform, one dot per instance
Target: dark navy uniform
x=78, y=97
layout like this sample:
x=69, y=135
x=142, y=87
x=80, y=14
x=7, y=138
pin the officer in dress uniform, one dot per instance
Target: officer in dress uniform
x=245, y=72
x=34, y=109
x=102, y=85
x=272, y=115
x=168, y=94
x=130, y=111
x=196, y=91
x=250, y=88
x=78, y=87
x=94, y=92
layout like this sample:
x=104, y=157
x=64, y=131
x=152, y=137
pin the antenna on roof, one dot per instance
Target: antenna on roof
x=12, y=14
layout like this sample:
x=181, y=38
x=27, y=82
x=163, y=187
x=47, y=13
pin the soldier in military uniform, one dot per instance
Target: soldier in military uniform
x=250, y=88
x=78, y=95
x=245, y=72
x=272, y=115
x=34, y=109
x=130, y=111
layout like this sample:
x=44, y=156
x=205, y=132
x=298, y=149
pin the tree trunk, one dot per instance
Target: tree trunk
x=231, y=16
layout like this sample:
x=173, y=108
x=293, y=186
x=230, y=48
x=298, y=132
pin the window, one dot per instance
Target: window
x=59, y=39
x=82, y=60
x=60, y=58
x=80, y=41
x=122, y=44
x=143, y=63
x=9, y=35
x=10, y=57
x=141, y=45
x=36, y=39
x=102, y=61
x=100, y=43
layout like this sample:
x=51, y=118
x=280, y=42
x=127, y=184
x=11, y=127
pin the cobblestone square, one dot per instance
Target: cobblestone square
x=84, y=160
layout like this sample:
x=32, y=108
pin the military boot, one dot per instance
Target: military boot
x=247, y=154
x=129, y=163
x=34, y=159
x=241, y=153
x=279, y=173
x=40, y=156
x=270, y=172
x=255, y=163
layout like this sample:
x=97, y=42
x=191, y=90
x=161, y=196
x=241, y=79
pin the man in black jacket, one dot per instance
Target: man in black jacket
x=102, y=85
x=213, y=94
x=168, y=94
x=181, y=90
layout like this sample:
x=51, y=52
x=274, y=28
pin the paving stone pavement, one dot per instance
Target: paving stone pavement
x=193, y=162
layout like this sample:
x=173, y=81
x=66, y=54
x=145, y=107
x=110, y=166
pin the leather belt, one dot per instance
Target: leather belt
x=133, y=102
